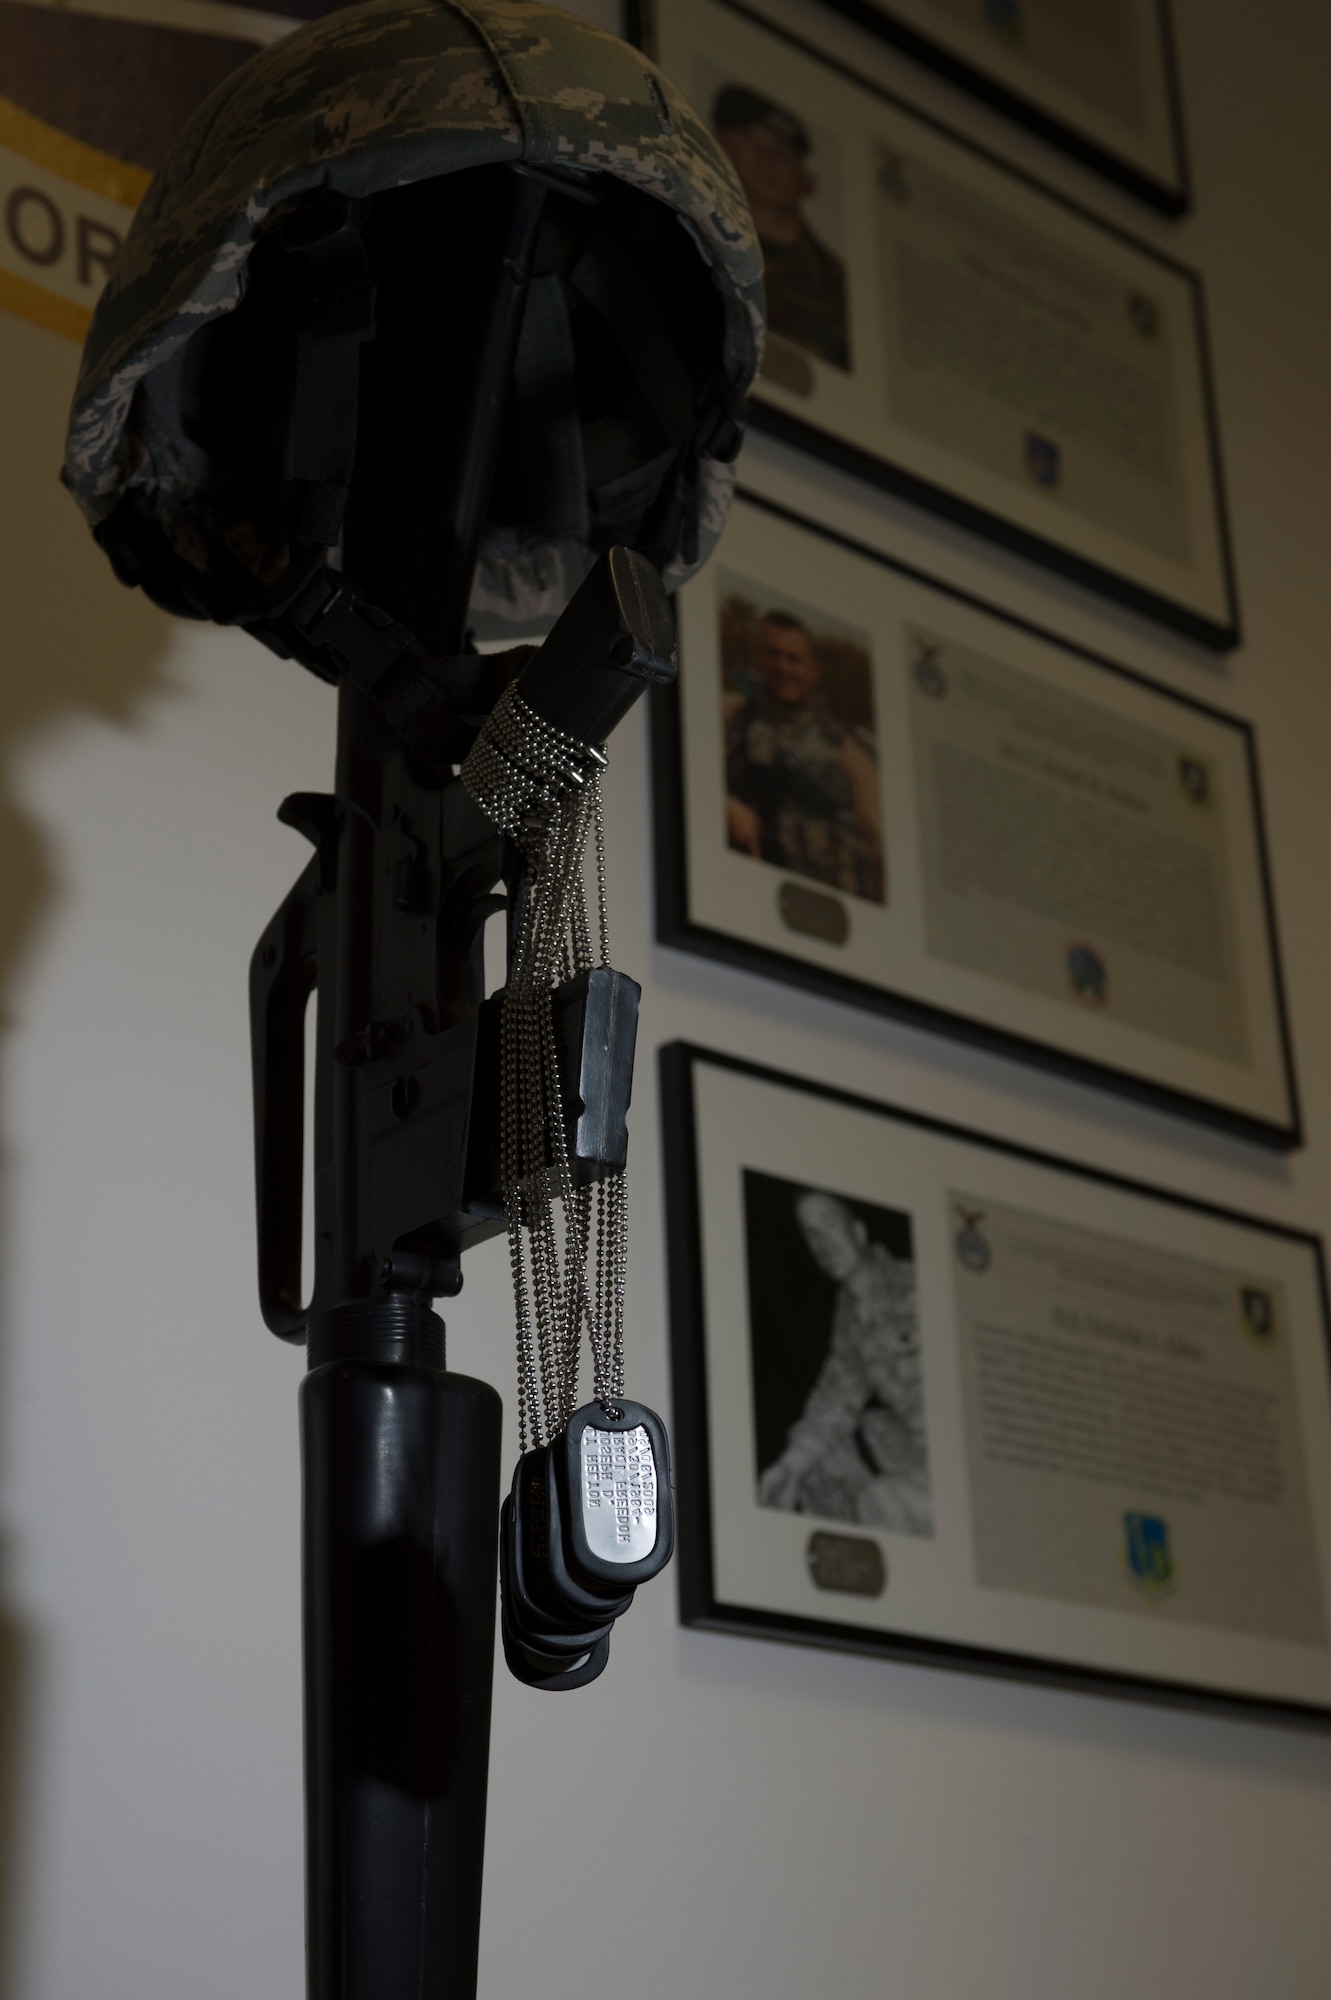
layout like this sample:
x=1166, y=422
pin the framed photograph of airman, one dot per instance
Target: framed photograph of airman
x=1095, y=77
x=874, y=786
x=952, y=330
x=945, y=1398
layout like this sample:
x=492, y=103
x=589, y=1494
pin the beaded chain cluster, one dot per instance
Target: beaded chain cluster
x=543, y=789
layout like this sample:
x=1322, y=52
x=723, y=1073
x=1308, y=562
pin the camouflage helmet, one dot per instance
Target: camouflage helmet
x=213, y=442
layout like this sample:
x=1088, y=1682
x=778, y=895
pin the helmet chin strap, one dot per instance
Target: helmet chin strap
x=337, y=318
x=435, y=705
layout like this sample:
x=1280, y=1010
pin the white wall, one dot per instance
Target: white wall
x=792, y=1822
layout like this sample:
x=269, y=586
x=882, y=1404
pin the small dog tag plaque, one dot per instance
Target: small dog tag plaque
x=846, y=1562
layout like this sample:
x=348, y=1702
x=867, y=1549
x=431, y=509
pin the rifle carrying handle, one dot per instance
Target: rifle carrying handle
x=284, y=971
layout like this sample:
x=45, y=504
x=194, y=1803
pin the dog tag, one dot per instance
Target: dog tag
x=613, y=1478
x=548, y=1597
x=529, y=1521
x=541, y=1670
x=572, y=1592
x=532, y=1626
x=558, y=1649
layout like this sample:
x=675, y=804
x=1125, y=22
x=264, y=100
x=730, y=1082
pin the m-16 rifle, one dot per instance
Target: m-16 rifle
x=400, y=1458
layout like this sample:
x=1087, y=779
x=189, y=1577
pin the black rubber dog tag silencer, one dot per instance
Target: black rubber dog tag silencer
x=619, y=1525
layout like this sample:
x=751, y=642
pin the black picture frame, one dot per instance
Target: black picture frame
x=842, y=414
x=1168, y=191
x=684, y=1071
x=692, y=913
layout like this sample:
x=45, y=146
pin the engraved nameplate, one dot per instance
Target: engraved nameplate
x=846, y=1562
x=618, y=1493
x=813, y=912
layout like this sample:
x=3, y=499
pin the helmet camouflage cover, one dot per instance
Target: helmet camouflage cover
x=376, y=97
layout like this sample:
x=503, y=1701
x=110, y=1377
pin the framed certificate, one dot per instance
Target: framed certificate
x=941, y=1397
x=874, y=786
x=958, y=333
x=1096, y=77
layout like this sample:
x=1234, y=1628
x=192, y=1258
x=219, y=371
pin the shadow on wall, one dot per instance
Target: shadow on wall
x=74, y=641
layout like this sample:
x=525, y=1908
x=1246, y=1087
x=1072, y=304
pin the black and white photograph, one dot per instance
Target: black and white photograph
x=962, y=334
x=834, y=1335
x=1097, y=78
x=874, y=786
x=939, y=1395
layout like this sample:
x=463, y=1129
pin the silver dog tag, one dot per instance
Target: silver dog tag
x=615, y=1479
x=618, y=1493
